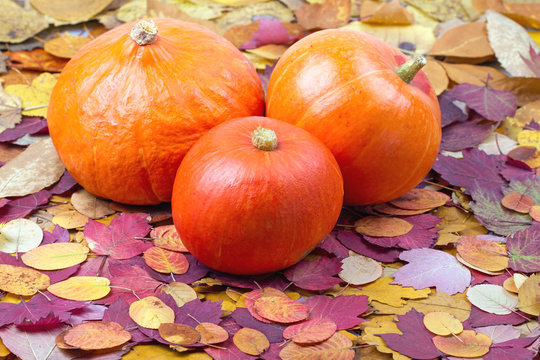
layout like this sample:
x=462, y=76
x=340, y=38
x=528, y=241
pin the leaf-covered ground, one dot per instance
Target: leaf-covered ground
x=449, y=270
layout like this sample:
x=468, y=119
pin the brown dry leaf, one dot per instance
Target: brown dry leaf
x=244, y=15
x=526, y=154
x=517, y=202
x=55, y=256
x=271, y=51
x=150, y=312
x=441, y=10
x=181, y=293
x=18, y=24
x=436, y=75
x=326, y=15
x=70, y=219
x=421, y=199
x=529, y=295
x=251, y=341
x=22, y=281
x=157, y=8
x=20, y=235
x=10, y=110
x=484, y=254
x=37, y=59
x=467, y=344
x=338, y=347
x=65, y=45
x=211, y=333
x=510, y=40
x=386, y=13
x=526, y=14
x=389, y=209
x=81, y=288
x=89, y=205
x=73, y=11
x=359, y=269
x=34, y=169
x=467, y=43
x=179, y=334
x=96, y=335
x=526, y=89
x=472, y=74
x=442, y=323
x=382, y=226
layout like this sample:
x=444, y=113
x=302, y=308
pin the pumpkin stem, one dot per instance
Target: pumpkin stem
x=264, y=139
x=408, y=70
x=144, y=32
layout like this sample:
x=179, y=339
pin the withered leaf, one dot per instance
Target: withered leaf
x=73, y=11
x=18, y=24
x=386, y=13
x=66, y=45
x=10, y=110
x=325, y=15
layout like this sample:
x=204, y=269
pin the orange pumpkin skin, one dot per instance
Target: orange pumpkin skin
x=242, y=210
x=341, y=86
x=123, y=115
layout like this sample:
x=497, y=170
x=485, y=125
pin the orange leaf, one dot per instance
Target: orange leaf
x=22, y=281
x=55, y=256
x=211, y=333
x=467, y=344
x=421, y=199
x=383, y=226
x=81, y=288
x=484, y=254
x=65, y=45
x=166, y=261
x=535, y=212
x=37, y=59
x=518, y=202
x=253, y=295
x=326, y=15
x=338, y=347
x=151, y=312
x=311, y=331
x=251, y=341
x=280, y=309
x=386, y=13
x=179, y=334
x=181, y=293
x=95, y=335
x=442, y=323
x=166, y=237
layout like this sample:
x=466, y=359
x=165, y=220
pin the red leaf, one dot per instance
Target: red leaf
x=270, y=31
x=360, y=246
x=331, y=244
x=23, y=206
x=316, y=274
x=343, y=310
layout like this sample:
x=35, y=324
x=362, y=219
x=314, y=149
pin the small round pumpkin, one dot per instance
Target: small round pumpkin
x=129, y=104
x=255, y=195
x=361, y=98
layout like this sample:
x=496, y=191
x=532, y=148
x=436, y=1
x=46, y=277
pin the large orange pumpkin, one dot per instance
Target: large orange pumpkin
x=255, y=195
x=131, y=103
x=342, y=86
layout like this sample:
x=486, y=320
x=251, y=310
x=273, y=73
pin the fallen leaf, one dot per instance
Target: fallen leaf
x=463, y=135
x=383, y=291
x=280, y=309
x=310, y=331
x=32, y=170
x=441, y=10
x=382, y=226
x=356, y=243
x=471, y=74
x=517, y=202
x=467, y=344
x=81, y=288
x=10, y=110
x=178, y=334
x=89, y=205
x=161, y=352
x=326, y=15
x=442, y=323
x=96, y=335
x=254, y=295
x=75, y=11
x=485, y=254
x=316, y=274
x=211, y=333
x=55, y=256
x=388, y=13
x=22, y=281
x=337, y=347
x=70, y=219
x=524, y=250
x=529, y=295
x=65, y=45
x=273, y=331
x=35, y=97
x=181, y=292
x=493, y=299
x=244, y=15
x=19, y=24
x=20, y=235
x=131, y=11
x=167, y=237
x=23, y=206
x=24, y=343
x=359, y=269
x=166, y=261
x=150, y=312
x=510, y=41
x=526, y=89
x=251, y=341
x=436, y=75
x=381, y=324
x=420, y=199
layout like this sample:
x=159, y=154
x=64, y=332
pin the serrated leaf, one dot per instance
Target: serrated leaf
x=524, y=250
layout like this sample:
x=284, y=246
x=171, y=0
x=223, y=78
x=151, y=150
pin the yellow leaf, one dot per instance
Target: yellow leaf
x=359, y=269
x=227, y=305
x=467, y=344
x=4, y=351
x=131, y=11
x=17, y=23
x=529, y=295
x=71, y=11
x=251, y=341
x=150, y=312
x=81, y=288
x=162, y=352
x=442, y=323
x=70, y=219
x=22, y=281
x=381, y=324
x=529, y=138
x=181, y=293
x=382, y=291
x=55, y=256
x=35, y=95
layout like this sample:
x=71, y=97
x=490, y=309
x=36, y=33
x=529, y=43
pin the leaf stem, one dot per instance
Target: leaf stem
x=408, y=70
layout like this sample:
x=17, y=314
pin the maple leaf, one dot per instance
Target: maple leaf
x=127, y=279
x=332, y=245
x=534, y=62
x=494, y=105
x=420, y=236
x=356, y=243
x=90, y=312
x=524, y=250
x=21, y=207
x=316, y=274
x=343, y=310
x=273, y=331
x=118, y=240
x=476, y=169
x=495, y=217
x=416, y=341
x=57, y=235
x=429, y=267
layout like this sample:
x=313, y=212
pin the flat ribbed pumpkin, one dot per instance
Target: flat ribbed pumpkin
x=255, y=195
x=129, y=105
x=374, y=110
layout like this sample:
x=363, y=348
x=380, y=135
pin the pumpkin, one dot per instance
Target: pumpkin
x=128, y=106
x=255, y=195
x=343, y=87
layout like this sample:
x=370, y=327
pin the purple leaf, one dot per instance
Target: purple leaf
x=360, y=246
x=450, y=112
x=227, y=351
x=416, y=341
x=480, y=278
x=203, y=311
x=524, y=250
x=499, y=333
x=28, y=126
x=21, y=207
x=476, y=168
x=512, y=349
x=343, y=310
x=33, y=344
x=316, y=274
x=480, y=318
x=65, y=183
x=273, y=331
x=90, y=312
x=196, y=271
x=265, y=76
x=252, y=282
x=463, y=135
x=494, y=105
x=430, y=267
x=332, y=245
x=118, y=240
x=60, y=275
x=58, y=235
x=270, y=31
x=119, y=312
